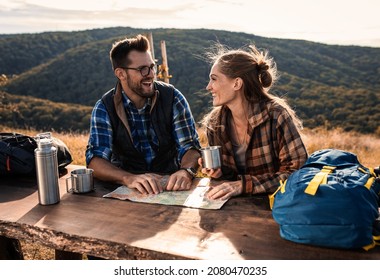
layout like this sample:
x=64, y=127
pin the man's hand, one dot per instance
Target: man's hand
x=179, y=181
x=148, y=183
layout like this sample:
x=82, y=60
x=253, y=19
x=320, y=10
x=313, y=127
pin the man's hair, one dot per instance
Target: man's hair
x=120, y=50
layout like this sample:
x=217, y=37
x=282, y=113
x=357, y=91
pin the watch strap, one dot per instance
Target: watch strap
x=190, y=170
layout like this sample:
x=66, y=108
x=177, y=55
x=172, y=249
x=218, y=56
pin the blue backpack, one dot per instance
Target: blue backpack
x=331, y=201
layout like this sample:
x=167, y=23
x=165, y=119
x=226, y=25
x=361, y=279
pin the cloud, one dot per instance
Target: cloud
x=34, y=18
x=329, y=21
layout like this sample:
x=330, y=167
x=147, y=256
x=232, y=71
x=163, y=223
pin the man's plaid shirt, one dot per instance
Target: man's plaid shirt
x=142, y=132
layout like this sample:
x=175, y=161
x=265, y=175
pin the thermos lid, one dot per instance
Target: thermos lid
x=44, y=140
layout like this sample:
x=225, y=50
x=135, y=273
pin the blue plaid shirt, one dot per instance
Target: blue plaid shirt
x=143, y=135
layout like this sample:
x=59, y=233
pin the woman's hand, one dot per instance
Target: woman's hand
x=225, y=190
x=212, y=173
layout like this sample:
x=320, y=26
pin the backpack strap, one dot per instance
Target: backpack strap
x=371, y=178
x=319, y=178
x=281, y=188
x=370, y=246
x=8, y=163
x=376, y=241
x=376, y=238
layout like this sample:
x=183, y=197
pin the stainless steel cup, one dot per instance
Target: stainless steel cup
x=211, y=157
x=82, y=181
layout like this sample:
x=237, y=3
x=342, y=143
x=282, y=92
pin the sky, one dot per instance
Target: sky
x=343, y=22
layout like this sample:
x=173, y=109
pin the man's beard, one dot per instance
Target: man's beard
x=138, y=88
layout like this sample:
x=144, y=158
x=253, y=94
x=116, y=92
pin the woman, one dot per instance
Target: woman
x=258, y=132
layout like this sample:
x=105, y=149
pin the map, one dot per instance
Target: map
x=194, y=198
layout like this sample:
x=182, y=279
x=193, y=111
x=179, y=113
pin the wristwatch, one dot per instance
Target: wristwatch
x=190, y=170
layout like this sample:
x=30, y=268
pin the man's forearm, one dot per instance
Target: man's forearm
x=190, y=159
x=106, y=171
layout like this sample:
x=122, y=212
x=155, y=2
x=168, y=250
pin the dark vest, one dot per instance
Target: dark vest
x=124, y=152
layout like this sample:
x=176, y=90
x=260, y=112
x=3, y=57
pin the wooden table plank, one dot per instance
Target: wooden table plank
x=115, y=229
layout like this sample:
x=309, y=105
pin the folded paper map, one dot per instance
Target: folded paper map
x=194, y=198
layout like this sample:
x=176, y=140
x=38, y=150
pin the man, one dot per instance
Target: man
x=142, y=128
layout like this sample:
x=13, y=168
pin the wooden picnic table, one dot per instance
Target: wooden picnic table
x=115, y=229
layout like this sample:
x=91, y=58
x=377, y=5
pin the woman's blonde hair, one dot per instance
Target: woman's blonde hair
x=257, y=70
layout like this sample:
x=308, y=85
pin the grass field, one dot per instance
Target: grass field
x=366, y=147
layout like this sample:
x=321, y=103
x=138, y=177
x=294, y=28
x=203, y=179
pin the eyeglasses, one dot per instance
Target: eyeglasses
x=144, y=70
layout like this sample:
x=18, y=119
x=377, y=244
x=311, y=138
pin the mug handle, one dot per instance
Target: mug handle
x=67, y=186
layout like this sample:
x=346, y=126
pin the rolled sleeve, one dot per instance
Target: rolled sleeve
x=100, y=139
x=185, y=132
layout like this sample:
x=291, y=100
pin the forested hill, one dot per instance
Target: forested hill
x=328, y=85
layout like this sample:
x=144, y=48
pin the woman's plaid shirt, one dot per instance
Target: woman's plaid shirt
x=274, y=151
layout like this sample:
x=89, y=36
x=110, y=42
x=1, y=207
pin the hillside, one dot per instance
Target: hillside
x=41, y=114
x=328, y=85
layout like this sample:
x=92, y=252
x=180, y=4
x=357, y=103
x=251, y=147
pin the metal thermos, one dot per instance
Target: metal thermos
x=47, y=170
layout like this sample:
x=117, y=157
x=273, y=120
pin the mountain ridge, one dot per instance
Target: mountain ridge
x=318, y=80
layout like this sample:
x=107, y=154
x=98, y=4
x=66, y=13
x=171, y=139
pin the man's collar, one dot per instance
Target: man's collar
x=121, y=95
x=128, y=102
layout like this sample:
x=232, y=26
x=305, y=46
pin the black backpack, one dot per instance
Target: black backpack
x=17, y=154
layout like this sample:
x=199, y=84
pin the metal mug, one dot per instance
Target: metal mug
x=82, y=181
x=211, y=157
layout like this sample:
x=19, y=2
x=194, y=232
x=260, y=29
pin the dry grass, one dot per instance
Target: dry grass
x=76, y=144
x=35, y=251
x=367, y=147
